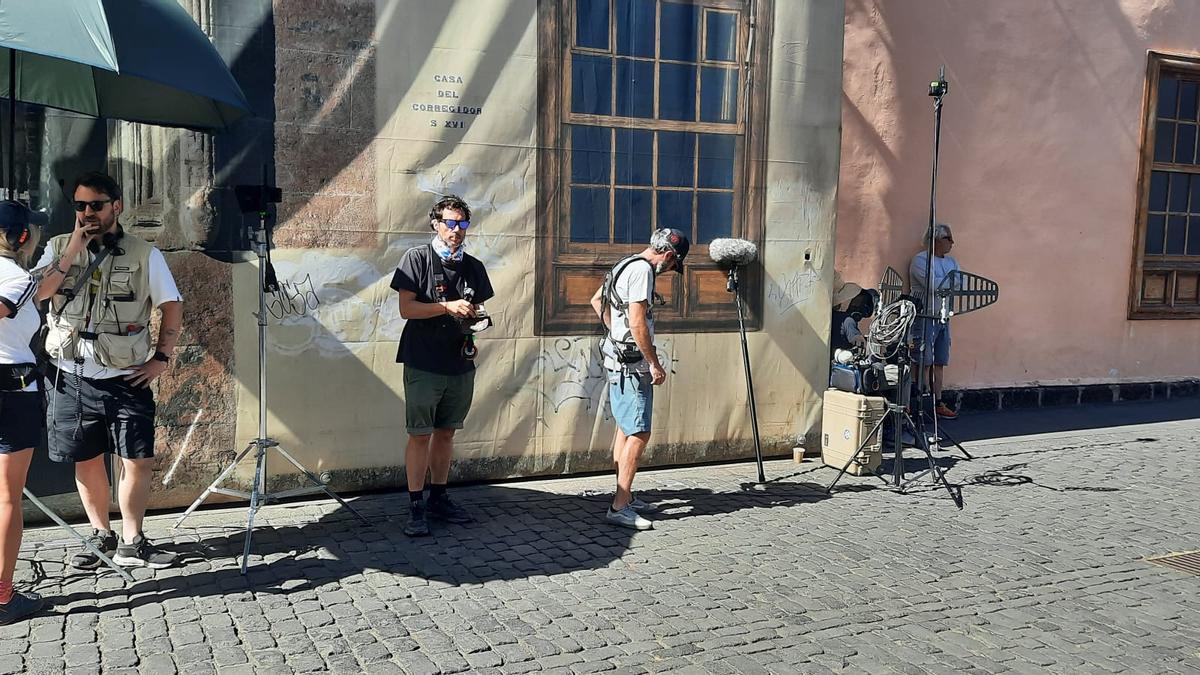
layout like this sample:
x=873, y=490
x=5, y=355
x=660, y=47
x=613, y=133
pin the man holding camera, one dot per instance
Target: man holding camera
x=625, y=305
x=442, y=290
x=98, y=339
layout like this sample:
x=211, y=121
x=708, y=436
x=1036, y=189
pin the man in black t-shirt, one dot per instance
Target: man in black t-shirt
x=442, y=291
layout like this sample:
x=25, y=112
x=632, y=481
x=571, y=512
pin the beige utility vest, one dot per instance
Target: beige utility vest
x=112, y=310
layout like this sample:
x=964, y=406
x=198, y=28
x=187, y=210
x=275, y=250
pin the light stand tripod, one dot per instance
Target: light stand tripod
x=101, y=555
x=897, y=411
x=258, y=494
x=731, y=285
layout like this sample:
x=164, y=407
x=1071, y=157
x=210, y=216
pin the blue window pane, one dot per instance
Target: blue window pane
x=1155, y=226
x=1193, y=237
x=635, y=28
x=635, y=88
x=1168, y=96
x=1156, y=205
x=1176, y=232
x=590, y=155
x=591, y=24
x=720, y=40
x=677, y=92
x=680, y=32
x=589, y=215
x=716, y=162
x=635, y=157
x=1178, y=202
x=1158, y=191
x=1164, y=141
x=1187, y=100
x=718, y=95
x=591, y=84
x=674, y=209
x=631, y=216
x=676, y=158
x=1185, y=144
x=714, y=216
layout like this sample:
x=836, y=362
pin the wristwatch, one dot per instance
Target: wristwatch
x=159, y=356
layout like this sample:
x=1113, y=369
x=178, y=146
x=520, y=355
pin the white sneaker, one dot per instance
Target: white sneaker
x=641, y=506
x=627, y=517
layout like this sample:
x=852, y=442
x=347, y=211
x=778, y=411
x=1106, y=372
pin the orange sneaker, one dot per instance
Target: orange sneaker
x=944, y=410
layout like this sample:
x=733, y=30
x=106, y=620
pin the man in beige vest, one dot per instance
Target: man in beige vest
x=98, y=340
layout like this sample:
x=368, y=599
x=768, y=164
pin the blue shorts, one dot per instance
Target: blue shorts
x=21, y=421
x=934, y=339
x=631, y=397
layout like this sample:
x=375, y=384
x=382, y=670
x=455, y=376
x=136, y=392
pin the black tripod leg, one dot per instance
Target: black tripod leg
x=935, y=470
x=941, y=434
x=861, y=446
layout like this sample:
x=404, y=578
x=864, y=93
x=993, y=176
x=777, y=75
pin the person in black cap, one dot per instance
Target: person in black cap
x=20, y=401
x=625, y=305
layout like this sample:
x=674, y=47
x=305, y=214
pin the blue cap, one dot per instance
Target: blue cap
x=14, y=214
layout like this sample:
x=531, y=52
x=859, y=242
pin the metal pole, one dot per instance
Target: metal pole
x=737, y=297
x=12, y=123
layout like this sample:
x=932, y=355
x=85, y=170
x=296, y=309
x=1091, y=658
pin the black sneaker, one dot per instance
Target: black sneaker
x=21, y=605
x=104, y=540
x=444, y=508
x=141, y=553
x=418, y=524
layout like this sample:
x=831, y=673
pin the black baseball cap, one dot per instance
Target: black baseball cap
x=674, y=239
x=16, y=214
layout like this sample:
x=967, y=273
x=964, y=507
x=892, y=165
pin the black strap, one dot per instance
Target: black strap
x=439, y=277
x=87, y=274
x=621, y=266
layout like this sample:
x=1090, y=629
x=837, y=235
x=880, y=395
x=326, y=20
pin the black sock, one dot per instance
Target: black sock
x=415, y=497
x=436, y=491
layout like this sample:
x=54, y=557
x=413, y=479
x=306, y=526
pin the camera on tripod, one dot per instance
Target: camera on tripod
x=257, y=198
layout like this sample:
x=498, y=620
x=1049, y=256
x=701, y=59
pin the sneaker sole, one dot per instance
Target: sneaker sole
x=630, y=526
x=87, y=567
x=138, y=562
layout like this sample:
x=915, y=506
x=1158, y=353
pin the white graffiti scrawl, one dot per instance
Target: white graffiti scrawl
x=572, y=370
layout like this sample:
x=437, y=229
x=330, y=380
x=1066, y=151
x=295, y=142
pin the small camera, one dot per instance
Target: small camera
x=939, y=88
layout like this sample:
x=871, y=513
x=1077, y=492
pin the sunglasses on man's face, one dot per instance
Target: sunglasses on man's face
x=456, y=224
x=97, y=205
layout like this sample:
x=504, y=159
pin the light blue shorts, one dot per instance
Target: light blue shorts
x=934, y=338
x=631, y=397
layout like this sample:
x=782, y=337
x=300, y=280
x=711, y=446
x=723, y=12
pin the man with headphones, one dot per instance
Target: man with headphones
x=102, y=364
x=442, y=290
x=624, y=304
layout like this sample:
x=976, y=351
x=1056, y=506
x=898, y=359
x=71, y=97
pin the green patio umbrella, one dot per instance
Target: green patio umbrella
x=134, y=60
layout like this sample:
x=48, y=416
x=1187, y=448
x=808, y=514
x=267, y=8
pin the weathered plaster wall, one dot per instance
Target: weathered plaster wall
x=360, y=167
x=1040, y=153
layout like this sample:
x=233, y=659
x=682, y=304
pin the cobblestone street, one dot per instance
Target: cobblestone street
x=1042, y=572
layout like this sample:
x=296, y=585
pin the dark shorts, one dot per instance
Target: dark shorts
x=21, y=420
x=433, y=401
x=110, y=416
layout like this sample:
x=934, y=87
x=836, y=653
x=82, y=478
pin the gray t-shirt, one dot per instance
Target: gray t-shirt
x=635, y=284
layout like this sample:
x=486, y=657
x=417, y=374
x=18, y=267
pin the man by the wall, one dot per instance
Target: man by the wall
x=442, y=289
x=624, y=304
x=934, y=336
x=102, y=364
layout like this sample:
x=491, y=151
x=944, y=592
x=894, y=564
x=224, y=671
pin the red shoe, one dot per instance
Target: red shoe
x=944, y=410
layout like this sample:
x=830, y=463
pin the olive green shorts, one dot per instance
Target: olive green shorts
x=433, y=401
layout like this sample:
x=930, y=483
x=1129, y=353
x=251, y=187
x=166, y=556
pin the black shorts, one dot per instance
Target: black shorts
x=110, y=415
x=21, y=420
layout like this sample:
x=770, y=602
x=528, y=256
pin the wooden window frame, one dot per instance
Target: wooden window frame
x=568, y=269
x=1168, y=266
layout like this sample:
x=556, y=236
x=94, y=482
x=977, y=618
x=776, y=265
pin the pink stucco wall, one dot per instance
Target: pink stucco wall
x=1040, y=154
